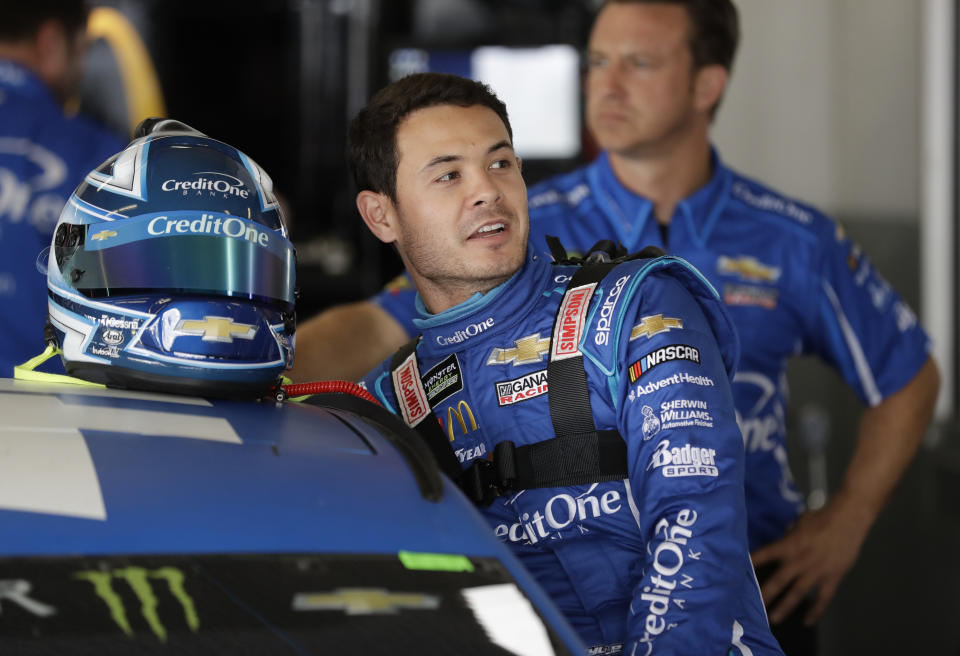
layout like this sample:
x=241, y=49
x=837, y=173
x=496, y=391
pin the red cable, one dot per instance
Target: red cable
x=329, y=387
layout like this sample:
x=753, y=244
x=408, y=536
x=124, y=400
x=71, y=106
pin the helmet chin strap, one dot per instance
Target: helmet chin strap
x=26, y=371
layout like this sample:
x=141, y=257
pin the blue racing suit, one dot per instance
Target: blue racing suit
x=655, y=562
x=44, y=155
x=792, y=282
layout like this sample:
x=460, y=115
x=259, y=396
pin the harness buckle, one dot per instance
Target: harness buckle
x=485, y=480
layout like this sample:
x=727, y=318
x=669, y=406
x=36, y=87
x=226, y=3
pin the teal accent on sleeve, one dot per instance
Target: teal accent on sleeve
x=381, y=395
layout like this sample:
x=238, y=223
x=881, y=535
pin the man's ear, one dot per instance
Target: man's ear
x=709, y=85
x=520, y=165
x=379, y=213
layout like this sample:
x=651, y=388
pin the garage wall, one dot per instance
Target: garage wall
x=824, y=104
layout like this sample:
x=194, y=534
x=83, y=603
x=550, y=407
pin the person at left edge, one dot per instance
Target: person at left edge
x=650, y=558
x=44, y=155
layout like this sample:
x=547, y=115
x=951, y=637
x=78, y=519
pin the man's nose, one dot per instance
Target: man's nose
x=485, y=190
x=609, y=81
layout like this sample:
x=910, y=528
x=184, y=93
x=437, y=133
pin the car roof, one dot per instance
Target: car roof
x=89, y=470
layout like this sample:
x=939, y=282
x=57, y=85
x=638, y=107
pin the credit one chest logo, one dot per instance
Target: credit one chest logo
x=461, y=336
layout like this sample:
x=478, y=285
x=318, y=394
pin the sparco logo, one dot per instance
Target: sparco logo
x=683, y=461
x=560, y=512
x=207, y=225
x=661, y=355
x=602, y=334
x=112, y=322
x=668, y=561
x=570, y=319
x=523, y=388
x=230, y=187
x=461, y=336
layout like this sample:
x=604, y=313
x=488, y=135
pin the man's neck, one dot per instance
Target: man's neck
x=440, y=298
x=668, y=176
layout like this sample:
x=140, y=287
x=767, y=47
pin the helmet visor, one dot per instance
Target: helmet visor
x=181, y=252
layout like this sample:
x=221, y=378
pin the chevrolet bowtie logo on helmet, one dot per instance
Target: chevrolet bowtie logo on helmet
x=528, y=350
x=654, y=325
x=216, y=329
x=103, y=234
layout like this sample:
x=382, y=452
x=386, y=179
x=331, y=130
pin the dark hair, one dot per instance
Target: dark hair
x=372, y=136
x=716, y=29
x=22, y=18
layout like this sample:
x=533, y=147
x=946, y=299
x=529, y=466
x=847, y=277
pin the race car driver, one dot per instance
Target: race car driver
x=606, y=445
x=791, y=279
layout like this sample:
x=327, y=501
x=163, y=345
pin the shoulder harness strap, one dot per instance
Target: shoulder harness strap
x=414, y=407
x=579, y=454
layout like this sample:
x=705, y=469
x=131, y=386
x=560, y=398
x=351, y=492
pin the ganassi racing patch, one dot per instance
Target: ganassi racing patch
x=669, y=353
x=765, y=297
x=523, y=388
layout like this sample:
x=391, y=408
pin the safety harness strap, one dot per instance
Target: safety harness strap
x=569, y=399
x=414, y=407
x=580, y=454
x=573, y=459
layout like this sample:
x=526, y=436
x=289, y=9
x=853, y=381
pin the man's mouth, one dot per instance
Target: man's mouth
x=490, y=229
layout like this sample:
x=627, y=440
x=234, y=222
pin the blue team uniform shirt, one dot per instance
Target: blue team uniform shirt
x=655, y=563
x=791, y=280
x=44, y=155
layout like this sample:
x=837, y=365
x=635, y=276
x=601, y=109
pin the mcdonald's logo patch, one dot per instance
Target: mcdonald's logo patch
x=462, y=413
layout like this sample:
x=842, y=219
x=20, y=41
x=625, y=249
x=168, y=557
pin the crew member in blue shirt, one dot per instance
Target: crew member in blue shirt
x=44, y=155
x=792, y=280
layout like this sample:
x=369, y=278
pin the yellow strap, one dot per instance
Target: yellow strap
x=26, y=371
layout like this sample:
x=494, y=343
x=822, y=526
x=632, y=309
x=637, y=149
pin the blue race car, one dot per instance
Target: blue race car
x=136, y=522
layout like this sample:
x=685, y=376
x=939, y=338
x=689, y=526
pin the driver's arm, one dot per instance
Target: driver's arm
x=345, y=342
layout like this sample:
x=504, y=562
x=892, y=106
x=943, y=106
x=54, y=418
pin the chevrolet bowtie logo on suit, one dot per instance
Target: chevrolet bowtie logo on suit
x=654, y=325
x=528, y=350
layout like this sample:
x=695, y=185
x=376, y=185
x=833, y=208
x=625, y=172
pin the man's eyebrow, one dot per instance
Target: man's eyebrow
x=446, y=159
x=441, y=159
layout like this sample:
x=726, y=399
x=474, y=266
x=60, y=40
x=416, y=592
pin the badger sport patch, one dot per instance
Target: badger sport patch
x=670, y=353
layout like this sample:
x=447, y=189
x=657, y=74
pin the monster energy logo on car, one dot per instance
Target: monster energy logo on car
x=138, y=578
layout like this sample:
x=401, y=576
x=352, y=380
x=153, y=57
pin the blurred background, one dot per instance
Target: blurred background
x=850, y=105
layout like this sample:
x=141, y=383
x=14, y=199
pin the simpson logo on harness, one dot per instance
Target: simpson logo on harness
x=579, y=453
